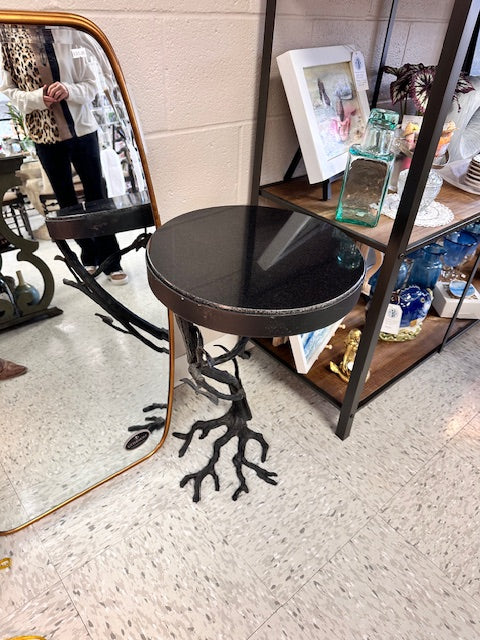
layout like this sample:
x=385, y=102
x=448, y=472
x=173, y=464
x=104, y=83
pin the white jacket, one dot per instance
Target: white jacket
x=75, y=74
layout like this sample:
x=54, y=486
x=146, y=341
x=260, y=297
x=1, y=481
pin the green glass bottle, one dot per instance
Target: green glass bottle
x=369, y=165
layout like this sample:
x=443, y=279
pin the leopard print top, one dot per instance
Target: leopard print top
x=23, y=57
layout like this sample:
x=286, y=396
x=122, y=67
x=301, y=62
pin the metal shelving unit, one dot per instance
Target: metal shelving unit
x=394, y=238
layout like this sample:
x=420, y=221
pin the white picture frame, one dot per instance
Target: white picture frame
x=306, y=347
x=326, y=90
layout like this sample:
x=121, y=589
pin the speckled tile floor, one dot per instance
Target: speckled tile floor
x=376, y=537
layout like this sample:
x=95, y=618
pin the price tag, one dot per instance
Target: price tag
x=359, y=70
x=392, y=320
x=80, y=52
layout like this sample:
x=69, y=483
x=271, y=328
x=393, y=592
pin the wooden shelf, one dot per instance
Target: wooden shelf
x=298, y=194
x=391, y=360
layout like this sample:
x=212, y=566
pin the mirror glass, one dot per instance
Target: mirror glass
x=65, y=422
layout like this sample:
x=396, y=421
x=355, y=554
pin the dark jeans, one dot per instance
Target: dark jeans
x=84, y=153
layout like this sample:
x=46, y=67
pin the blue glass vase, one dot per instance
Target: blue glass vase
x=427, y=266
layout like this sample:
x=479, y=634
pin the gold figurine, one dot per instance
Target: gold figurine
x=344, y=369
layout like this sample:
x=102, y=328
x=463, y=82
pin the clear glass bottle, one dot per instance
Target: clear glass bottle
x=369, y=165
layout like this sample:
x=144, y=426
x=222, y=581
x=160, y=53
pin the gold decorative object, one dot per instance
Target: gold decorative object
x=344, y=369
x=27, y=638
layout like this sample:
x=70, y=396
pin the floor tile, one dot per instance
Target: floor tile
x=87, y=526
x=377, y=587
x=173, y=578
x=463, y=350
x=436, y=399
x=281, y=626
x=302, y=560
x=467, y=442
x=30, y=574
x=380, y=455
x=12, y=512
x=293, y=528
x=439, y=514
x=51, y=615
x=5, y=484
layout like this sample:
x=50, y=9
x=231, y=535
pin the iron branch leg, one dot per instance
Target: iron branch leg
x=202, y=366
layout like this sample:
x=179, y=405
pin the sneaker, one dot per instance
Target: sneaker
x=118, y=277
x=91, y=270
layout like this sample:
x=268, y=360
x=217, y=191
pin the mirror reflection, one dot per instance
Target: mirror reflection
x=90, y=385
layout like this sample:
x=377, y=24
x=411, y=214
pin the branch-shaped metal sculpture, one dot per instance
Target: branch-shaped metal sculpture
x=87, y=284
x=201, y=366
x=132, y=324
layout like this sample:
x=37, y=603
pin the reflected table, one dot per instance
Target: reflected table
x=98, y=218
x=24, y=308
x=101, y=217
x=249, y=271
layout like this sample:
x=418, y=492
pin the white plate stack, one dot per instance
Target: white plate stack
x=472, y=177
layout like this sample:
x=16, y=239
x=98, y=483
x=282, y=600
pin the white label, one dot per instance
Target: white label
x=359, y=70
x=392, y=320
x=79, y=53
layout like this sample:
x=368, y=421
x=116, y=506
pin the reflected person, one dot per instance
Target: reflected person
x=46, y=75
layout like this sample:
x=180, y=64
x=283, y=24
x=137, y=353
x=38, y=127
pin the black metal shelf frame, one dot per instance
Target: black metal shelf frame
x=456, y=44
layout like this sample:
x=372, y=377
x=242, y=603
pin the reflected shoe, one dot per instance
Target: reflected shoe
x=11, y=369
x=118, y=277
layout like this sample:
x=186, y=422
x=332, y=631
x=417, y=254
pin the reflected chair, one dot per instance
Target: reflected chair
x=15, y=212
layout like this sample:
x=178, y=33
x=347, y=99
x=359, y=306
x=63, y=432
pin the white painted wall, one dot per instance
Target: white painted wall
x=192, y=67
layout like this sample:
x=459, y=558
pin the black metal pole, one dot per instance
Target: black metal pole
x=383, y=59
x=270, y=11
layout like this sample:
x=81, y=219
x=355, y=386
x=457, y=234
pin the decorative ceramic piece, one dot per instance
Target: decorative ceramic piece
x=25, y=290
x=457, y=287
x=413, y=303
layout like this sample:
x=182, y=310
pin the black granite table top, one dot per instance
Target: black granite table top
x=255, y=271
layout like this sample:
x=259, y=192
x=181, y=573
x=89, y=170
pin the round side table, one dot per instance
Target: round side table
x=249, y=271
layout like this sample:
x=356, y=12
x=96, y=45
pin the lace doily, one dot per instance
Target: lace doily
x=435, y=215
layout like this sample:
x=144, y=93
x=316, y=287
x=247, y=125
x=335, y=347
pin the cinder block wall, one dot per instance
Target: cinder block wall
x=192, y=68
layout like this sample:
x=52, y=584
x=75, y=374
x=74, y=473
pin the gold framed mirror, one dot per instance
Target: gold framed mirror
x=69, y=424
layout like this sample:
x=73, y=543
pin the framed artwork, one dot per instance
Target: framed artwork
x=326, y=89
x=306, y=347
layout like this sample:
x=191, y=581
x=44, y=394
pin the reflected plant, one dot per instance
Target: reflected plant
x=18, y=121
x=17, y=118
